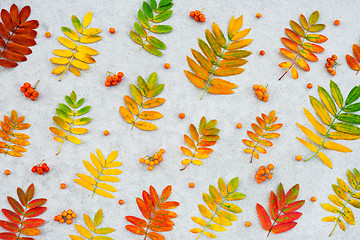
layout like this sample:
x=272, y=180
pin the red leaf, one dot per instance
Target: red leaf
x=34, y=212
x=9, y=226
x=292, y=194
x=293, y=206
x=30, y=192
x=166, y=193
x=7, y=63
x=280, y=196
x=28, y=33
x=352, y=62
x=135, y=229
x=30, y=231
x=22, y=41
x=6, y=19
x=155, y=236
x=289, y=217
x=273, y=206
x=165, y=214
x=280, y=228
x=24, y=13
x=14, y=47
x=163, y=222
x=169, y=205
x=13, y=217
x=32, y=24
x=136, y=221
x=33, y=222
x=37, y=202
x=4, y=31
x=8, y=236
x=21, y=196
x=143, y=209
x=154, y=195
x=14, y=13
x=13, y=56
x=264, y=217
x=16, y=206
x=148, y=201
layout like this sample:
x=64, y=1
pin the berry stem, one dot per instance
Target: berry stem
x=36, y=84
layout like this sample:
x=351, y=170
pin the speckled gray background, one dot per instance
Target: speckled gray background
x=119, y=53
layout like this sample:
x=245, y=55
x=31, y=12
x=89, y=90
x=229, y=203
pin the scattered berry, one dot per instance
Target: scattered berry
x=258, y=15
x=66, y=216
x=191, y=185
x=313, y=199
x=40, y=168
x=112, y=30
x=113, y=79
x=167, y=65
x=248, y=224
x=298, y=158
x=309, y=86
x=7, y=172
x=153, y=160
x=239, y=126
x=331, y=64
x=261, y=92
x=106, y=132
x=63, y=186
x=121, y=202
x=337, y=22
x=262, y=52
x=198, y=16
x=30, y=92
x=47, y=34
x=182, y=115
x=264, y=173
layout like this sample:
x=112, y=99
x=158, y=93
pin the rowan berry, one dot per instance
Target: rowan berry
x=69, y=221
x=167, y=65
x=258, y=15
x=257, y=176
x=55, y=219
x=262, y=168
x=239, y=126
x=47, y=34
x=263, y=178
x=192, y=14
x=262, y=172
x=34, y=169
x=32, y=98
x=68, y=217
x=202, y=19
x=262, y=52
x=327, y=65
x=120, y=74
x=109, y=78
x=69, y=211
x=309, y=86
x=160, y=159
x=35, y=94
x=334, y=57
x=23, y=89
x=196, y=18
x=248, y=224
x=141, y=160
x=182, y=115
x=333, y=73
x=59, y=217
x=271, y=167
x=313, y=199
x=197, y=13
x=73, y=215
x=191, y=185
x=259, y=181
x=121, y=202
x=150, y=168
x=298, y=158
x=267, y=171
x=7, y=172
x=106, y=132
x=147, y=161
x=112, y=30
x=331, y=62
x=161, y=151
x=256, y=87
x=63, y=186
x=156, y=162
x=152, y=163
x=330, y=69
x=337, y=22
x=64, y=213
x=27, y=85
x=61, y=220
x=107, y=83
x=269, y=176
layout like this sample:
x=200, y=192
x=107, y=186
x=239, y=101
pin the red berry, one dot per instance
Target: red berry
x=114, y=83
x=23, y=89
x=120, y=74
x=32, y=98
x=30, y=90
x=47, y=169
x=107, y=83
x=35, y=94
x=27, y=94
x=34, y=169
x=27, y=85
x=43, y=165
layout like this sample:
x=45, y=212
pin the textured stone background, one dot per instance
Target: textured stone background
x=119, y=53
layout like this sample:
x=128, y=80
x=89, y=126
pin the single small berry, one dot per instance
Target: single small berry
x=35, y=94
x=202, y=19
x=47, y=34
x=262, y=52
x=167, y=65
x=55, y=219
x=197, y=13
x=68, y=217
x=257, y=176
x=334, y=57
x=69, y=211
x=271, y=167
x=330, y=69
x=248, y=224
x=191, y=185
x=27, y=85
x=23, y=89
x=259, y=181
x=269, y=176
x=182, y=115
x=73, y=215
x=333, y=73
x=196, y=18
x=107, y=83
x=141, y=160
x=64, y=213
x=337, y=22
x=121, y=202
x=7, y=172
x=34, y=169
x=258, y=15
x=256, y=87
x=112, y=30
x=63, y=186
x=106, y=132
x=69, y=221
x=298, y=158
x=120, y=74
x=262, y=168
x=147, y=161
x=150, y=168
x=239, y=126
x=327, y=65
x=263, y=178
x=267, y=171
x=313, y=199
x=192, y=14
x=61, y=220
x=309, y=86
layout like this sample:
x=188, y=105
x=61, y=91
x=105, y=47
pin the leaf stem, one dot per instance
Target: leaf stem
x=281, y=212
x=22, y=223
x=68, y=132
x=214, y=69
x=137, y=116
x=98, y=179
x=261, y=137
x=192, y=157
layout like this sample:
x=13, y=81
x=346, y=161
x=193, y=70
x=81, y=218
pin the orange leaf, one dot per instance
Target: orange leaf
x=197, y=69
x=136, y=221
x=154, y=195
x=155, y=236
x=294, y=73
x=313, y=47
x=148, y=201
x=30, y=231
x=9, y=226
x=352, y=62
x=194, y=79
x=13, y=217
x=273, y=206
x=275, y=127
x=169, y=205
x=166, y=193
x=356, y=51
x=204, y=150
x=204, y=143
x=165, y=214
x=293, y=36
x=290, y=44
x=33, y=222
x=287, y=53
x=303, y=64
x=135, y=229
x=186, y=151
x=220, y=90
x=34, y=212
x=16, y=206
x=280, y=228
x=189, y=141
x=309, y=55
x=143, y=209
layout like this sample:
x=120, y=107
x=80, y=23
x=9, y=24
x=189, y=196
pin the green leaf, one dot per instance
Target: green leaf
x=235, y=196
x=153, y=4
x=163, y=16
x=77, y=24
x=134, y=36
x=153, y=50
x=161, y=28
x=202, y=125
x=349, y=117
x=336, y=94
x=346, y=128
x=98, y=217
x=352, y=108
x=233, y=185
x=351, y=178
x=327, y=100
x=317, y=28
x=63, y=115
x=232, y=208
x=314, y=17
x=353, y=95
x=73, y=97
x=69, y=101
x=66, y=109
x=136, y=94
x=83, y=110
x=143, y=20
x=156, y=42
x=152, y=79
x=155, y=91
x=164, y=8
x=148, y=11
x=143, y=88
x=80, y=102
x=140, y=30
x=163, y=3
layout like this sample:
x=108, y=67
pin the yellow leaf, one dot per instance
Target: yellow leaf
x=234, y=26
x=112, y=172
x=70, y=33
x=96, y=162
x=201, y=155
x=101, y=157
x=341, y=225
x=91, y=31
x=239, y=44
x=318, y=126
x=197, y=69
x=58, y=70
x=231, y=27
x=150, y=115
x=89, y=223
x=84, y=57
x=63, y=53
x=84, y=184
x=90, y=39
x=204, y=211
x=83, y=231
x=336, y=200
x=320, y=110
x=79, y=64
x=125, y=113
x=87, y=50
x=216, y=227
x=57, y=131
x=73, y=139
x=336, y=147
x=294, y=73
x=210, y=235
x=241, y=34
x=79, y=130
x=343, y=185
x=330, y=208
x=186, y=151
x=196, y=230
x=310, y=146
x=74, y=71
x=145, y=126
x=311, y=135
x=114, y=164
x=325, y=159
x=197, y=162
x=349, y=216
x=103, y=193
x=91, y=169
x=106, y=187
x=329, y=219
x=112, y=156
x=285, y=65
x=59, y=60
x=154, y=102
x=67, y=42
x=185, y=161
x=109, y=179
x=343, y=136
x=199, y=221
x=222, y=221
x=131, y=104
x=87, y=19
x=86, y=178
x=74, y=237
x=58, y=139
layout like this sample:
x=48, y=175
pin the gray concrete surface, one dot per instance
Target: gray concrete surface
x=119, y=53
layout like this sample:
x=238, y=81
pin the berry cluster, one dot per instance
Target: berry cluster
x=114, y=79
x=261, y=92
x=198, y=16
x=67, y=216
x=40, y=168
x=153, y=160
x=264, y=173
x=331, y=64
x=30, y=92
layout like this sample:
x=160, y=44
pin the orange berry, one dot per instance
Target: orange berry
x=150, y=168
x=313, y=199
x=106, y=132
x=258, y=15
x=59, y=217
x=239, y=126
x=337, y=22
x=147, y=161
x=68, y=217
x=192, y=14
x=160, y=159
x=262, y=168
x=196, y=18
x=108, y=78
x=263, y=90
x=197, y=13
x=256, y=87
x=167, y=65
x=112, y=30
x=156, y=157
x=298, y=158
x=271, y=167
x=73, y=215
x=108, y=83
x=161, y=151
x=248, y=224
x=257, y=176
x=191, y=185
x=7, y=172
x=330, y=69
x=201, y=16
x=69, y=221
x=327, y=65
x=331, y=62
x=259, y=181
x=262, y=52
x=266, y=95
x=262, y=172
x=182, y=115
x=47, y=34
x=267, y=171
x=202, y=19
x=333, y=73
x=152, y=163
x=328, y=59
x=309, y=86
x=259, y=172
x=260, y=97
x=141, y=160
x=121, y=202
x=55, y=219
x=269, y=176
x=120, y=74
x=266, y=99
x=63, y=186
x=334, y=57
x=156, y=162
x=69, y=211
x=263, y=178
x=61, y=220
x=64, y=213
